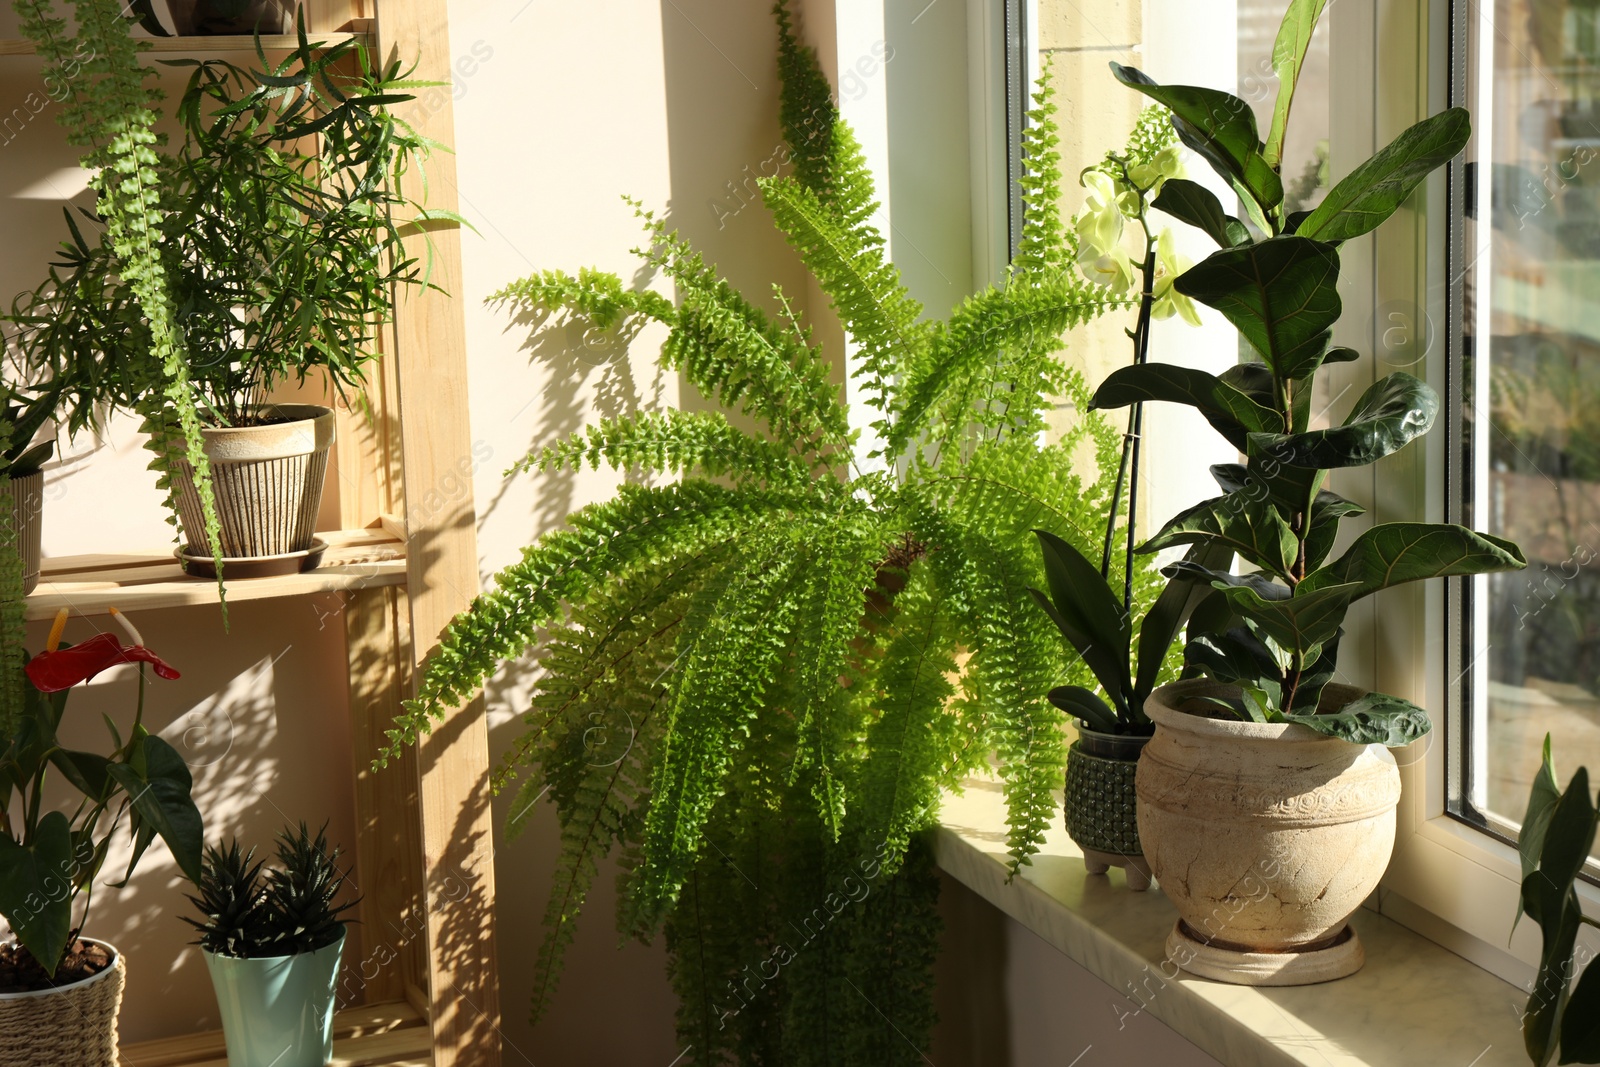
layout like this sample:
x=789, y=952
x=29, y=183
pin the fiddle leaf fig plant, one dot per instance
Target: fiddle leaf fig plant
x=1274, y=632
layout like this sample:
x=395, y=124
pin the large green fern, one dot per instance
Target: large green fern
x=758, y=677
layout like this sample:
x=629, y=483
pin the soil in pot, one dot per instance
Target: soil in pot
x=21, y=973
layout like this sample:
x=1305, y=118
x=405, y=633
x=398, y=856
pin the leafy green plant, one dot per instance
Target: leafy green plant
x=757, y=674
x=49, y=857
x=1274, y=632
x=1081, y=600
x=278, y=234
x=22, y=417
x=1557, y=836
x=250, y=911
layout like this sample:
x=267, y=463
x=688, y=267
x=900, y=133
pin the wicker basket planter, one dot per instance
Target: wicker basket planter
x=73, y=1024
x=268, y=482
x=27, y=512
x=1101, y=803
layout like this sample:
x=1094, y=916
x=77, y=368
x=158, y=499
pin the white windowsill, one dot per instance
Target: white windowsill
x=1413, y=1003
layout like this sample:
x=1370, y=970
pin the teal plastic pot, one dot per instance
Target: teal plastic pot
x=277, y=1011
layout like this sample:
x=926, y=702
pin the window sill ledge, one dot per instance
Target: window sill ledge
x=1414, y=1002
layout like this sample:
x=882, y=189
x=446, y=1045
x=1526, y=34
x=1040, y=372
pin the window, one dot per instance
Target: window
x=1529, y=381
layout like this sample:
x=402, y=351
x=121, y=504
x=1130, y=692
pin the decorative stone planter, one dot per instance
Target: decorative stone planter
x=1101, y=804
x=268, y=482
x=277, y=1011
x=1265, y=837
x=74, y=1024
x=27, y=514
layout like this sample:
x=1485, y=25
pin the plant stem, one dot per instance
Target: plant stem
x=1141, y=350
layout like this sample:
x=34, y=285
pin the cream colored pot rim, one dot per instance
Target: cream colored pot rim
x=6, y=998
x=292, y=412
x=1161, y=707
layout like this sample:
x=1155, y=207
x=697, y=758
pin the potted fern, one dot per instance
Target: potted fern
x=1267, y=795
x=280, y=257
x=272, y=940
x=749, y=668
x=60, y=991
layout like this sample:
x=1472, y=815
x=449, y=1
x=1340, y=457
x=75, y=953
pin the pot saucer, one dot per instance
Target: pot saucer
x=1339, y=957
x=246, y=567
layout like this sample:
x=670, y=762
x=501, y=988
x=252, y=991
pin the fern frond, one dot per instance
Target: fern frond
x=1047, y=248
x=673, y=442
x=806, y=108
x=597, y=295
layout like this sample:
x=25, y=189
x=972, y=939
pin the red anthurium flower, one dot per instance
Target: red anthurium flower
x=62, y=668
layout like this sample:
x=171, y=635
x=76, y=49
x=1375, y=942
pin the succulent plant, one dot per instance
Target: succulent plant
x=233, y=902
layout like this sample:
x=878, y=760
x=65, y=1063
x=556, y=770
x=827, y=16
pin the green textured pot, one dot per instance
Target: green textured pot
x=1101, y=804
x=277, y=1011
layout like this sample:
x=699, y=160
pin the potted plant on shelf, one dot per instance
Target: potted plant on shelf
x=60, y=991
x=749, y=666
x=22, y=464
x=280, y=256
x=272, y=942
x=1267, y=797
x=1083, y=599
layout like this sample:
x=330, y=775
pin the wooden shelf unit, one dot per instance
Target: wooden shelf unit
x=215, y=45
x=380, y=1035
x=424, y=849
x=90, y=585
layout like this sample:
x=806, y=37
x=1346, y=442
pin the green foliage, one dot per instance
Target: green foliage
x=251, y=911
x=49, y=858
x=1275, y=632
x=1557, y=836
x=756, y=678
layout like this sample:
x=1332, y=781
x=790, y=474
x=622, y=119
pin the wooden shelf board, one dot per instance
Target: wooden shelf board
x=287, y=42
x=390, y=1035
x=89, y=585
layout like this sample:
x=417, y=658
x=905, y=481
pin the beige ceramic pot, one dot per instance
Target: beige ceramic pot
x=1266, y=837
x=73, y=1024
x=267, y=480
x=27, y=513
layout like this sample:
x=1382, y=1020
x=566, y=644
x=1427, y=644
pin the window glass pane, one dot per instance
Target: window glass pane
x=1530, y=386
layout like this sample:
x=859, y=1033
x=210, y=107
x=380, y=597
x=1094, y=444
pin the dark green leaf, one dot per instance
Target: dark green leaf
x=1288, y=56
x=1373, y=191
x=1559, y=916
x=1375, y=719
x=85, y=770
x=1282, y=294
x=1542, y=800
x=1084, y=704
x=1323, y=529
x=1580, y=1023
x=36, y=889
x=1189, y=201
x=1086, y=610
x=1244, y=522
x=1398, y=552
x=1238, y=657
x=159, y=792
x=1394, y=411
x=1219, y=126
x=1169, y=614
x=1298, y=623
x=1232, y=413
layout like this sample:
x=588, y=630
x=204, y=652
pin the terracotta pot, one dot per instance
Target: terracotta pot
x=1265, y=837
x=209, y=18
x=267, y=480
x=74, y=1024
x=27, y=512
x=1100, y=797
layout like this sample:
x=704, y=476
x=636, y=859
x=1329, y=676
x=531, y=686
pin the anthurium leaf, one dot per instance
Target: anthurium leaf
x=1219, y=126
x=159, y=791
x=1323, y=529
x=1372, y=192
x=1288, y=57
x=1085, y=704
x=34, y=883
x=85, y=770
x=1232, y=413
x=1397, y=552
x=1189, y=201
x=1300, y=622
x=1393, y=412
x=1559, y=915
x=1245, y=523
x=1087, y=613
x=1375, y=719
x=1168, y=615
x=1570, y=836
x=1281, y=294
x=1580, y=1023
x=1542, y=800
